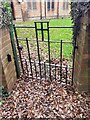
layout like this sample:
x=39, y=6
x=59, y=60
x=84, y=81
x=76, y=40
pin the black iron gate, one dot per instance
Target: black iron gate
x=35, y=55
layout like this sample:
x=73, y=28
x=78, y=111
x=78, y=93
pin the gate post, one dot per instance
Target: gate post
x=14, y=50
x=82, y=56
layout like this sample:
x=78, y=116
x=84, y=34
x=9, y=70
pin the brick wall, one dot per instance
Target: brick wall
x=8, y=73
x=20, y=8
x=17, y=10
x=82, y=56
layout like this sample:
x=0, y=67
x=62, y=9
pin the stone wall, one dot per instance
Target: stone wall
x=82, y=56
x=8, y=73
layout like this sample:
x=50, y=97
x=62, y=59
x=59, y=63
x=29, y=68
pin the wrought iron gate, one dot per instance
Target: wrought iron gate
x=36, y=65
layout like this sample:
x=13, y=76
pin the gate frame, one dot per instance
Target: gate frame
x=42, y=29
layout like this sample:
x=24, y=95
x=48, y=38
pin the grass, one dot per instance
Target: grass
x=56, y=34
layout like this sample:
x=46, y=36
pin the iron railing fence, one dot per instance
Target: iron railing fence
x=39, y=68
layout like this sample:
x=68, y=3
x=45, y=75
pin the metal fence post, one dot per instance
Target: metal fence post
x=14, y=50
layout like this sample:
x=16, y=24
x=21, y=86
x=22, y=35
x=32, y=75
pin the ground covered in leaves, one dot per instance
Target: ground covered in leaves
x=45, y=99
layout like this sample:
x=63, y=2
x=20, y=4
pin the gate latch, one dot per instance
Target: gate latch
x=76, y=47
x=9, y=58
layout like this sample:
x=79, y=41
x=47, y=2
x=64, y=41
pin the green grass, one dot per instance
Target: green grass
x=56, y=34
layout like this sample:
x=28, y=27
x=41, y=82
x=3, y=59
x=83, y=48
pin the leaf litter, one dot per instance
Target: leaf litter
x=44, y=99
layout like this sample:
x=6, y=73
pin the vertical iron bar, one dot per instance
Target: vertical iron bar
x=61, y=61
x=29, y=57
x=14, y=50
x=38, y=49
x=66, y=73
x=26, y=67
x=55, y=71
x=49, y=50
x=42, y=31
x=18, y=48
x=35, y=68
x=45, y=70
